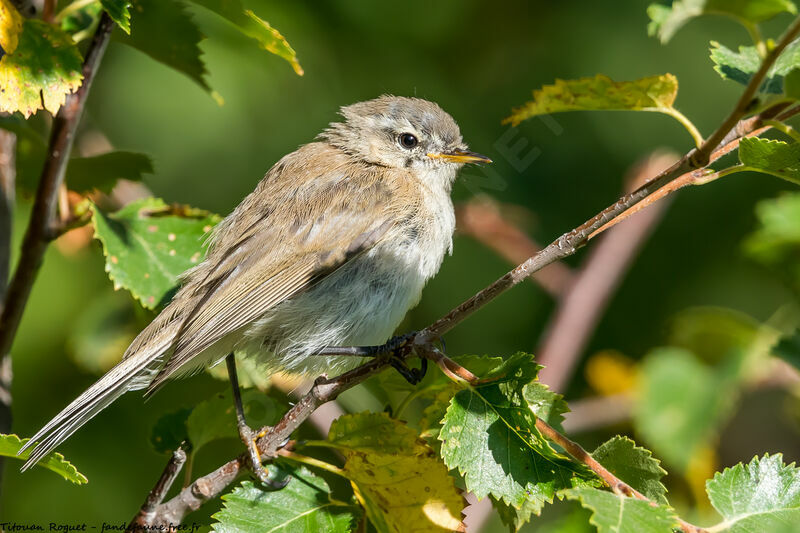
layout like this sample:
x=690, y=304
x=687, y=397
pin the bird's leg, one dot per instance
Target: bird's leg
x=395, y=348
x=247, y=435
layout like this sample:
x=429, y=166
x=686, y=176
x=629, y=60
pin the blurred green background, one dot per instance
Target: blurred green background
x=477, y=60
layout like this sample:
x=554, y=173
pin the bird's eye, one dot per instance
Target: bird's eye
x=408, y=140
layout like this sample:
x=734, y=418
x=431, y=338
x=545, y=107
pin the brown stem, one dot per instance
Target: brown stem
x=7, y=195
x=160, y=489
x=616, y=484
x=40, y=227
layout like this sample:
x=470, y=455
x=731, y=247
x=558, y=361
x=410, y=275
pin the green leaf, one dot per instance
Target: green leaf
x=612, y=513
x=515, y=518
x=165, y=31
x=82, y=18
x=148, y=244
x=11, y=444
x=656, y=93
x=712, y=333
x=396, y=476
x=634, y=465
x=170, y=431
x=666, y=21
x=489, y=435
x=303, y=505
x=763, y=495
x=788, y=349
x=251, y=25
x=119, y=11
x=101, y=172
x=741, y=66
x=777, y=158
x=42, y=70
x=546, y=404
x=683, y=402
x=776, y=242
x=215, y=418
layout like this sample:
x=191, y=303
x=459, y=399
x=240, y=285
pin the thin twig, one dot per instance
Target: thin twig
x=616, y=484
x=583, y=304
x=324, y=389
x=159, y=491
x=40, y=227
x=211, y=485
x=7, y=195
x=482, y=220
x=569, y=242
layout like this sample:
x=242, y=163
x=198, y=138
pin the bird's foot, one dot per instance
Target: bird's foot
x=250, y=440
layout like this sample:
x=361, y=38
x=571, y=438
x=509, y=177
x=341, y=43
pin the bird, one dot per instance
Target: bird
x=332, y=248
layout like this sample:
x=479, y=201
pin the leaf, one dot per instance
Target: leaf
x=489, y=435
x=613, y=513
x=516, y=518
x=170, y=431
x=788, y=349
x=119, y=11
x=656, y=93
x=741, y=66
x=776, y=241
x=666, y=21
x=791, y=84
x=10, y=27
x=777, y=158
x=165, y=31
x=396, y=476
x=148, y=244
x=546, y=404
x=763, y=495
x=634, y=465
x=712, y=333
x=303, y=505
x=683, y=402
x=81, y=19
x=251, y=25
x=215, y=418
x=44, y=68
x=101, y=172
x=11, y=444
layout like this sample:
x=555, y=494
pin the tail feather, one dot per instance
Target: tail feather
x=131, y=373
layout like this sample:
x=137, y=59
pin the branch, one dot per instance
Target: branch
x=324, y=389
x=211, y=485
x=616, y=484
x=40, y=227
x=584, y=302
x=163, y=485
x=569, y=242
x=481, y=219
x=7, y=195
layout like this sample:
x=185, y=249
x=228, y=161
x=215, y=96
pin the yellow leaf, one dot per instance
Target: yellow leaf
x=44, y=68
x=609, y=372
x=656, y=93
x=396, y=476
x=10, y=26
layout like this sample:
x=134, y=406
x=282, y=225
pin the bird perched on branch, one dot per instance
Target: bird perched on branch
x=331, y=249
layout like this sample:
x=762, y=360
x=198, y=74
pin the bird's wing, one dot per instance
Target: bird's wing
x=314, y=230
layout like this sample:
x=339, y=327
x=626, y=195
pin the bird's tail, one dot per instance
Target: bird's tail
x=141, y=363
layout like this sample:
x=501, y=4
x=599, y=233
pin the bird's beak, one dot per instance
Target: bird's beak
x=461, y=157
